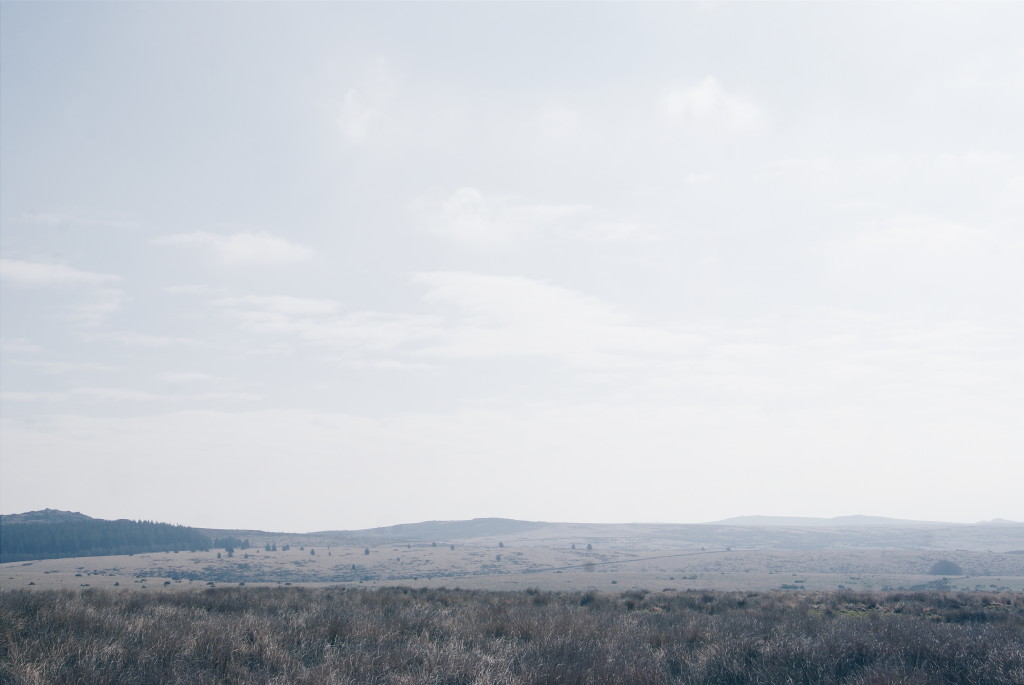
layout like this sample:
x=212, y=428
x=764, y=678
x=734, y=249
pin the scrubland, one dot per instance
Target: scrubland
x=404, y=635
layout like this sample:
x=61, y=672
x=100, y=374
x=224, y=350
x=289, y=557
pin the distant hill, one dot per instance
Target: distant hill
x=449, y=530
x=53, y=534
x=46, y=516
x=838, y=521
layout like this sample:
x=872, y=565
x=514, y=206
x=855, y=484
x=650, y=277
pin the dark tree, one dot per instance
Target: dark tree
x=945, y=567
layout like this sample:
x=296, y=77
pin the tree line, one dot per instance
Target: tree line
x=25, y=541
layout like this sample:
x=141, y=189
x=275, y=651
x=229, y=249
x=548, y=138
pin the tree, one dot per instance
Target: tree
x=574, y=545
x=366, y=551
x=312, y=552
x=945, y=567
x=589, y=547
x=501, y=544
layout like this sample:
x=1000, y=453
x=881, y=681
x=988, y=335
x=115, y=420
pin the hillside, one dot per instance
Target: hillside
x=46, y=516
x=52, y=534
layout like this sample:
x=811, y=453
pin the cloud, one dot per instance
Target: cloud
x=189, y=290
x=557, y=122
x=513, y=316
x=106, y=302
x=63, y=219
x=475, y=316
x=392, y=364
x=42, y=274
x=261, y=247
x=17, y=345
x=127, y=395
x=187, y=377
x=913, y=254
x=60, y=368
x=471, y=218
x=706, y=105
x=281, y=304
x=618, y=231
x=357, y=116
x=321, y=322
x=136, y=339
x=920, y=233
x=364, y=109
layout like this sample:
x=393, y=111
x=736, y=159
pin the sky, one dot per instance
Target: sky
x=339, y=265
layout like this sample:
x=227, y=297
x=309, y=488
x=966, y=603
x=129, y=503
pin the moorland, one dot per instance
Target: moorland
x=404, y=635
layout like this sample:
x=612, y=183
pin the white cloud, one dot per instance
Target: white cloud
x=317, y=321
x=105, y=302
x=557, y=122
x=136, y=339
x=392, y=364
x=697, y=177
x=471, y=218
x=466, y=218
x=707, y=105
x=502, y=316
x=65, y=219
x=920, y=233
x=187, y=377
x=43, y=274
x=613, y=231
x=17, y=345
x=127, y=395
x=242, y=248
x=365, y=109
x=189, y=290
x=281, y=304
x=60, y=368
x=357, y=116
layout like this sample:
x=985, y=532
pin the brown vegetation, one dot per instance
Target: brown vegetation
x=400, y=635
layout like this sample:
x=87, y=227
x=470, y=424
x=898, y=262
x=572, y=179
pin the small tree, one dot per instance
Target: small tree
x=452, y=547
x=574, y=545
x=945, y=567
x=589, y=547
x=366, y=551
x=312, y=552
x=501, y=544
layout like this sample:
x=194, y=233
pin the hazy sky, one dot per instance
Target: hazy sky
x=324, y=266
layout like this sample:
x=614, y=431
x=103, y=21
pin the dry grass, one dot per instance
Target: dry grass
x=523, y=565
x=400, y=635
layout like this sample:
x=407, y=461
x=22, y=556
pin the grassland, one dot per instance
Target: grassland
x=403, y=635
x=550, y=565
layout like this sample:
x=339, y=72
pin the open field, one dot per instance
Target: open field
x=478, y=566
x=505, y=554
x=403, y=635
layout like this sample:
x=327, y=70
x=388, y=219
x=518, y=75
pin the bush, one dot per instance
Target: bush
x=403, y=635
x=945, y=567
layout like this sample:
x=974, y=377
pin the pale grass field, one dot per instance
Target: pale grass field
x=543, y=564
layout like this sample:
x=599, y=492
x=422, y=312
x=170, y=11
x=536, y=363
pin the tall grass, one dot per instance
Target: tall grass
x=296, y=635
